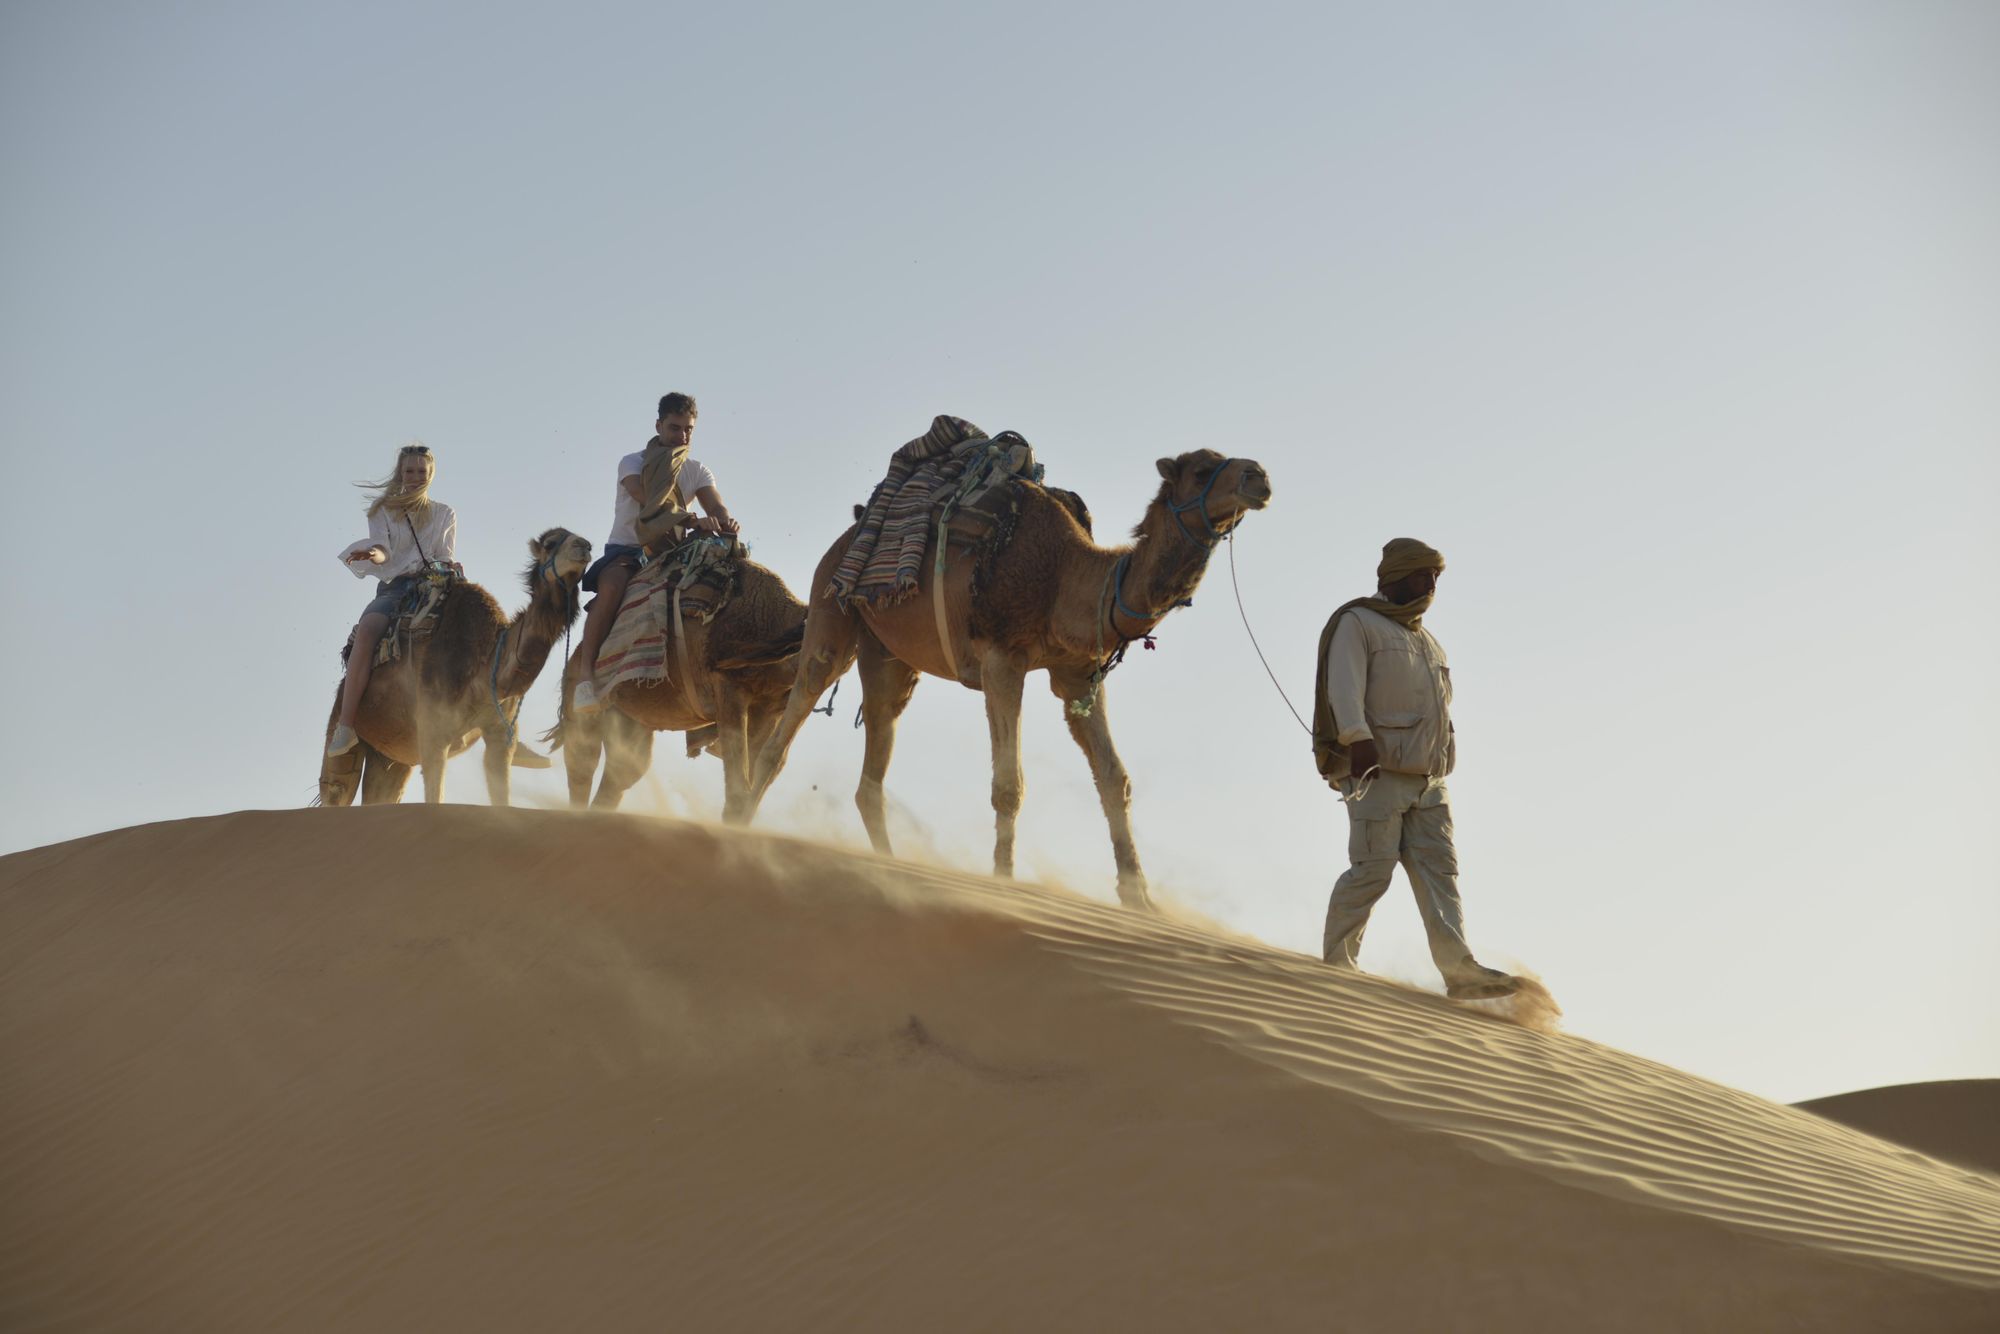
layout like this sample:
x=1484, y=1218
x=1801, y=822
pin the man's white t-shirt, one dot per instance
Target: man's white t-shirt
x=625, y=518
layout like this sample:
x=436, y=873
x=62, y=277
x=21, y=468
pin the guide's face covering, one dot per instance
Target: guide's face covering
x=1406, y=555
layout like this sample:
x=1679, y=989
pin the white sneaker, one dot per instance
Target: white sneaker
x=585, y=699
x=342, y=740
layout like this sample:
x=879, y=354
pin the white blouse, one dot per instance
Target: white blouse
x=401, y=537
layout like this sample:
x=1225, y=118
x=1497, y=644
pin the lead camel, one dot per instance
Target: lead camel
x=1053, y=600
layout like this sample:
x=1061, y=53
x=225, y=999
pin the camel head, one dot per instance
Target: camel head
x=1208, y=493
x=558, y=557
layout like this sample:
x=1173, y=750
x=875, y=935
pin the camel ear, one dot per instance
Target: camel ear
x=1169, y=468
x=536, y=549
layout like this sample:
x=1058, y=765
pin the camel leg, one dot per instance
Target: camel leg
x=382, y=779
x=582, y=742
x=831, y=638
x=628, y=753
x=1092, y=732
x=582, y=748
x=733, y=749
x=764, y=717
x=886, y=686
x=499, y=737
x=339, y=775
x=1002, y=677
x=431, y=755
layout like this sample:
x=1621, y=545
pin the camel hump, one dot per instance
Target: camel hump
x=1074, y=503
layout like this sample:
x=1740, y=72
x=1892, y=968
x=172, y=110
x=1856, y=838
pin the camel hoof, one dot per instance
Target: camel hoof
x=1132, y=894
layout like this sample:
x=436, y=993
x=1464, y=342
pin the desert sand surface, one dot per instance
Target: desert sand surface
x=1957, y=1120
x=409, y=1068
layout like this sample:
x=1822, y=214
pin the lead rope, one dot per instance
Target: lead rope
x=1367, y=780
x=1238, y=589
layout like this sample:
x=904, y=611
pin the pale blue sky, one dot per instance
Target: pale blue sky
x=1676, y=328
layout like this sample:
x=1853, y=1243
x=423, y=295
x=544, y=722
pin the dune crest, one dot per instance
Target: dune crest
x=1957, y=1120
x=400, y=1067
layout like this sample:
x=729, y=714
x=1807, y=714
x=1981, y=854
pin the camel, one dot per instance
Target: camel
x=742, y=677
x=463, y=682
x=1051, y=599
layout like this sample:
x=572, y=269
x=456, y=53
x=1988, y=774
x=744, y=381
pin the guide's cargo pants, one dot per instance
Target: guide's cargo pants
x=1406, y=818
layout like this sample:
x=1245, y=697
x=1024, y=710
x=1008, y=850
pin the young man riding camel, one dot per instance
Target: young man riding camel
x=655, y=487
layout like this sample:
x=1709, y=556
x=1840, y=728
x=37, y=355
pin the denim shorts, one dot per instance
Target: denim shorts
x=613, y=551
x=391, y=594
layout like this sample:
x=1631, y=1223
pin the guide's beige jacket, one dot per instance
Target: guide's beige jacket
x=1392, y=684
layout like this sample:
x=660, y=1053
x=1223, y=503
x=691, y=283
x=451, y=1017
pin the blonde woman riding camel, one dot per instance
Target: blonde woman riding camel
x=406, y=531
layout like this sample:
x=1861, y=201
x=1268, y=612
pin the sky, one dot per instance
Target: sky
x=1675, y=328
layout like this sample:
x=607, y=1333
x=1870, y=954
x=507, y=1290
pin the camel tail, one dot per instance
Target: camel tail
x=553, y=738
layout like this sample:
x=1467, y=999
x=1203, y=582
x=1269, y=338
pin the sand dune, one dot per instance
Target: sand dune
x=1957, y=1120
x=402, y=1068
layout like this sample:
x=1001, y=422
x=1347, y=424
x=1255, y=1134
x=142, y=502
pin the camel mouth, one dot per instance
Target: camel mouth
x=1254, y=491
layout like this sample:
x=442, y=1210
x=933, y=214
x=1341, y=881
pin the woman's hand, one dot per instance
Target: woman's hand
x=374, y=556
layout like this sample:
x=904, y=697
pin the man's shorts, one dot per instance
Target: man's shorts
x=613, y=552
x=391, y=594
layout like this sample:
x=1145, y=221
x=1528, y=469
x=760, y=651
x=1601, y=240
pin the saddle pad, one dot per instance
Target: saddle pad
x=415, y=620
x=639, y=646
x=948, y=467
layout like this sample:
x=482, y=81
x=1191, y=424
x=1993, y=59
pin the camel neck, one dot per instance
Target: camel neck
x=531, y=634
x=1156, y=574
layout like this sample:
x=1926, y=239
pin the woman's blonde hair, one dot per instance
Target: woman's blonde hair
x=390, y=495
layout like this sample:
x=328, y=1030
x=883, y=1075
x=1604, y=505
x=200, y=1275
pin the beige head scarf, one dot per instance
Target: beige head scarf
x=663, y=511
x=1400, y=556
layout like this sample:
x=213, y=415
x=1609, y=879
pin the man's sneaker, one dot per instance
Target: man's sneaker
x=585, y=699
x=1475, y=981
x=342, y=740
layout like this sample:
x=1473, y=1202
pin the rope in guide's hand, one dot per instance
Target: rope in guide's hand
x=1365, y=781
x=1253, y=636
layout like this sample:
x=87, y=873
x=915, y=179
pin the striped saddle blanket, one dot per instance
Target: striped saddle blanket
x=948, y=468
x=640, y=646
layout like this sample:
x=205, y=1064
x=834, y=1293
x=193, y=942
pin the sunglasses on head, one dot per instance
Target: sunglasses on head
x=417, y=449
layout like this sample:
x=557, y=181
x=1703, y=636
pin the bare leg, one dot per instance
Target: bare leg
x=886, y=686
x=1002, y=677
x=1092, y=733
x=360, y=664
x=612, y=582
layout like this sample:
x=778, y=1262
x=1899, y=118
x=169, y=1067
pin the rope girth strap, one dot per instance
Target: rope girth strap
x=681, y=655
x=937, y=600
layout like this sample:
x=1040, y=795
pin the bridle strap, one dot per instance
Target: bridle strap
x=1200, y=505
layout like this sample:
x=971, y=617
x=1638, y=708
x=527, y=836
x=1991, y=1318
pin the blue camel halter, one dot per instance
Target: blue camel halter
x=1200, y=505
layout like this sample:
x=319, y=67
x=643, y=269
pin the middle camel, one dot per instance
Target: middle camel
x=1051, y=600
